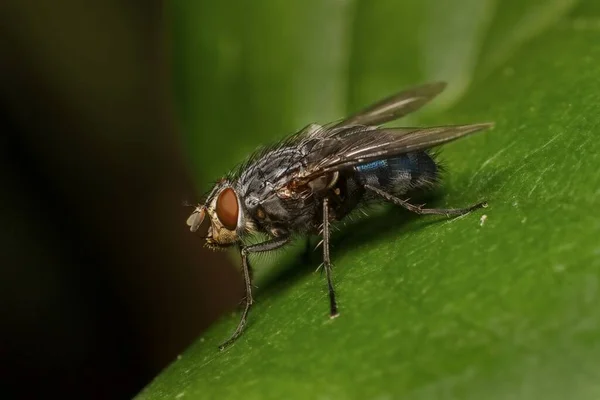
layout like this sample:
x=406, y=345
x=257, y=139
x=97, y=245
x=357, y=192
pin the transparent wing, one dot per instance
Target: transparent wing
x=386, y=110
x=350, y=146
x=395, y=106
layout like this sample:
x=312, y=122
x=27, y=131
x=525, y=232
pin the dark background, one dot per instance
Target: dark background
x=102, y=284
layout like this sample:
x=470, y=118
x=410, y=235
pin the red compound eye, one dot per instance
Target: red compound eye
x=228, y=209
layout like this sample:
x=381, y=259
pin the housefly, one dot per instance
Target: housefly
x=317, y=176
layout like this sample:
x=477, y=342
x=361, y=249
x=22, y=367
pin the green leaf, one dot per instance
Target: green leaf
x=499, y=307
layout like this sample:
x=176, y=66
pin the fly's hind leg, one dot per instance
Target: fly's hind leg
x=424, y=211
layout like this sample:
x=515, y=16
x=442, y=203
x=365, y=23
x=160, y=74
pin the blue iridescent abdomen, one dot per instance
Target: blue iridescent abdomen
x=399, y=174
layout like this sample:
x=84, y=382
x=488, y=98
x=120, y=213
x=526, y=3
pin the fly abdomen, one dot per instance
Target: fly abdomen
x=400, y=174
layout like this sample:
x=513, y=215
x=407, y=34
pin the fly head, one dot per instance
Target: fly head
x=226, y=215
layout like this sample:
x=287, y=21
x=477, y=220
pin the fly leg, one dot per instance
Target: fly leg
x=420, y=210
x=272, y=244
x=333, y=311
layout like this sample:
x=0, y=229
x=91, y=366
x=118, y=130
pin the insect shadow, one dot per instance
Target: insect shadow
x=388, y=221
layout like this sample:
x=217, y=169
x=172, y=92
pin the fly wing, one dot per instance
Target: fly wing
x=386, y=110
x=395, y=106
x=354, y=145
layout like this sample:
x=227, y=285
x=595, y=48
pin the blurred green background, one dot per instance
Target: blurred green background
x=505, y=307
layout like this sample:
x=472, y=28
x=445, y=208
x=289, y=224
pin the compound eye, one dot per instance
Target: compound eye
x=228, y=209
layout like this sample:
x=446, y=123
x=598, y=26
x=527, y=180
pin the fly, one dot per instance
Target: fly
x=319, y=175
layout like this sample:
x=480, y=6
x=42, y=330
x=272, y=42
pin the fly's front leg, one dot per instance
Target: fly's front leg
x=248, y=300
x=256, y=248
x=423, y=211
x=333, y=311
